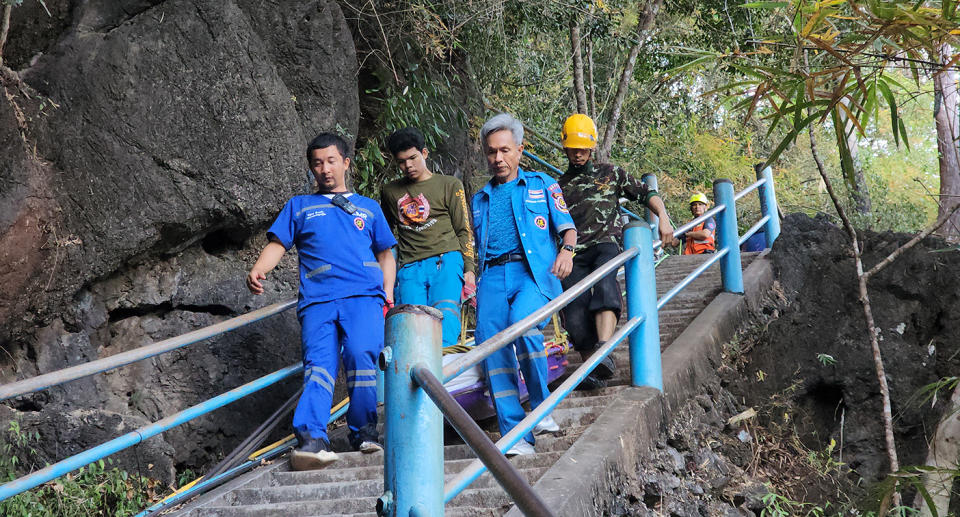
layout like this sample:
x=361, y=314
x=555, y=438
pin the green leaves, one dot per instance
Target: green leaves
x=837, y=64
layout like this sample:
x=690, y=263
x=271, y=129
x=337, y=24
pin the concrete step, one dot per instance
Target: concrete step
x=471, y=498
x=348, y=489
x=333, y=475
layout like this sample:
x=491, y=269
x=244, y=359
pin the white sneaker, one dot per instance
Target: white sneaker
x=547, y=425
x=312, y=454
x=369, y=447
x=522, y=447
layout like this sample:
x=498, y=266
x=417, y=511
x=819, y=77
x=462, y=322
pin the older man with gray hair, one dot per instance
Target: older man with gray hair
x=517, y=218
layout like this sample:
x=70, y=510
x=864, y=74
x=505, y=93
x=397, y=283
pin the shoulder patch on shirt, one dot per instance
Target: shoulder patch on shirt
x=559, y=202
x=554, y=188
x=359, y=223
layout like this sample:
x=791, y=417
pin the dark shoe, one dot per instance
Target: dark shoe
x=606, y=369
x=591, y=382
x=313, y=453
x=366, y=440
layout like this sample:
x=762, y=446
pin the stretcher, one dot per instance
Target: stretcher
x=470, y=388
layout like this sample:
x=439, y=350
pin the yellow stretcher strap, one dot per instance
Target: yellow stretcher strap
x=258, y=453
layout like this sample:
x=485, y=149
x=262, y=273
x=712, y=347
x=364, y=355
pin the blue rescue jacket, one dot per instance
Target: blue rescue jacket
x=541, y=216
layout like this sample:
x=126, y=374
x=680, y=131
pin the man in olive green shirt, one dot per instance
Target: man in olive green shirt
x=428, y=214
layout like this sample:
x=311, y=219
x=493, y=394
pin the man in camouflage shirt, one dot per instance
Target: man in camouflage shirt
x=592, y=193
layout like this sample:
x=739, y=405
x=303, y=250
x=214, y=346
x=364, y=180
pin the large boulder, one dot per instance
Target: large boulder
x=159, y=140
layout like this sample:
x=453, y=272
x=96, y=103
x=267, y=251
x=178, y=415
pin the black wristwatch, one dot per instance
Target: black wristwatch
x=567, y=247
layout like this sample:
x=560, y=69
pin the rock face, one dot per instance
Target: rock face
x=162, y=139
x=916, y=307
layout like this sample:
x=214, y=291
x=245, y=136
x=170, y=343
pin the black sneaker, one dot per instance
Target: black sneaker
x=606, y=369
x=366, y=440
x=591, y=382
x=313, y=453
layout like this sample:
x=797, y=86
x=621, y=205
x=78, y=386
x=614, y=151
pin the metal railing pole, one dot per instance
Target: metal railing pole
x=642, y=301
x=413, y=449
x=651, y=180
x=44, y=381
x=768, y=206
x=731, y=270
x=502, y=470
x=137, y=436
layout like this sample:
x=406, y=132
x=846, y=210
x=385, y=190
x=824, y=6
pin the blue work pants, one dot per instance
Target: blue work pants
x=505, y=295
x=354, y=326
x=435, y=281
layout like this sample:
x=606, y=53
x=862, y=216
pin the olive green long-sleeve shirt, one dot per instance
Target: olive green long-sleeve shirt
x=429, y=218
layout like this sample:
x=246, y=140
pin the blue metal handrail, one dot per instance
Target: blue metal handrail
x=753, y=229
x=687, y=280
x=541, y=161
x=508, y=335
x=132, y=438
x=642, y=328
x=472, y=471
x=48, y=380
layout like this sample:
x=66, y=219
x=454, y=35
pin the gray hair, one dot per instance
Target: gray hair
x=501, y=122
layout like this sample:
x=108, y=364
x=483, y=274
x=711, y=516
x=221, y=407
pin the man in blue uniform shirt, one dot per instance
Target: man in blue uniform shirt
x=347, y=273
x=517, y=218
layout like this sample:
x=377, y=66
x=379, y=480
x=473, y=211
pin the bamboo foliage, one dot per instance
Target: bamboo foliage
x=852, y=47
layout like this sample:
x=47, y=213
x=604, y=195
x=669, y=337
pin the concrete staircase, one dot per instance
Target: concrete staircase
x=353, y=484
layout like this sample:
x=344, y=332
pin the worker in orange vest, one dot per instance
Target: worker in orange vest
x=702, y=237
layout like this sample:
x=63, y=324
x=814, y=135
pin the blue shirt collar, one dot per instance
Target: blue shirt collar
x=521, y=180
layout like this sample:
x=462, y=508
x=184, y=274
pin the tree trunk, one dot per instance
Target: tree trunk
x=643, y=25
x=943, y=454
x=592, y=90
x=945, y=115
x=4, y=28
x=578, y=89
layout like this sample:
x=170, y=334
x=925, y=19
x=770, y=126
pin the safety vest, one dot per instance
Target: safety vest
x=696, y=247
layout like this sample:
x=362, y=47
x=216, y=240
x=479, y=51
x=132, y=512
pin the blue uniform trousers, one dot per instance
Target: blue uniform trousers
x=435, y=281
x=505, y=295
x=355, y=326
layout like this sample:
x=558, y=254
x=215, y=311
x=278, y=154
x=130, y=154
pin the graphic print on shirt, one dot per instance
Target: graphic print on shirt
x=414, y=212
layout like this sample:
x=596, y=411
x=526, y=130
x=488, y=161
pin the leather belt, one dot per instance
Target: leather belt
x=503, y=259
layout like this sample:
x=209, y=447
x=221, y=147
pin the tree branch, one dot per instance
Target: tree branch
x=578, y=88
x=592, y=90
x=912, y=242
x=868, y=315
x=645, y=23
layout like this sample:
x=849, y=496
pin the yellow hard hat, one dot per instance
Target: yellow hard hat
x=579, y=132
x=699, y=198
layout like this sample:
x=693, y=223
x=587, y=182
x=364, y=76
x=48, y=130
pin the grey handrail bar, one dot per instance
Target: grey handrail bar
x=79, y=371
x=753, y=229
x=475, y=468
x=749, y=189
x=500, y=468
x=509, y=334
